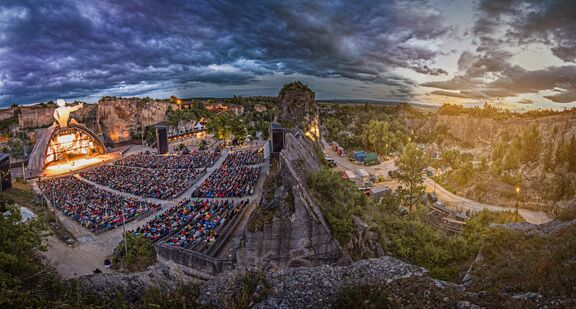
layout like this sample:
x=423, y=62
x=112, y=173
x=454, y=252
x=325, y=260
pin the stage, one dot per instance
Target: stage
x=60, y=169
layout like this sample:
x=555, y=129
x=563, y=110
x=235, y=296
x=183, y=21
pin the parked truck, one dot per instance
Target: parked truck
x=371, y=159
x=359, y=156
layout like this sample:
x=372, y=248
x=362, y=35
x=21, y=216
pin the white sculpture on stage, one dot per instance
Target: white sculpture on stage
x=62, y=113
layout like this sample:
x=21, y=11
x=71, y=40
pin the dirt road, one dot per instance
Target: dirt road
x=452, y=201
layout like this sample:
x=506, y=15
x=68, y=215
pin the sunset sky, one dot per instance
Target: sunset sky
x=517, y=54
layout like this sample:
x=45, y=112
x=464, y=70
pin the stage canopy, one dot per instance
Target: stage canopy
x=63, y=145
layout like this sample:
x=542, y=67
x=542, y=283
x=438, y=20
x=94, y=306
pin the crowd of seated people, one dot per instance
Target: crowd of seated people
x=93, y=208
x=240, y=158
x=185, y=161
x=204, y=226
x=155, y=183
x=179, y=215
x=228, y=182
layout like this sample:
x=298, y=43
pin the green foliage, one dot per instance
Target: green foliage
x=339, y=201
x=450, y=157
x=410, y=239
x=253, y=288
x=411, y=165
x=141, y=254
x=348, y=125
x=489, y=111
x=296, y=85
x=224, y=125
x=377, y=136
x=196, y=112
x=24, y=281
x=515, y=262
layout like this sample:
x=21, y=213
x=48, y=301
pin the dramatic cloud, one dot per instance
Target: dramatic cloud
x=76, y=48
x=361, y=49
x=502, y=26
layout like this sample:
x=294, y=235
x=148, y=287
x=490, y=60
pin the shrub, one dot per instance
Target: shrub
x=339, y=201
x=141, y=254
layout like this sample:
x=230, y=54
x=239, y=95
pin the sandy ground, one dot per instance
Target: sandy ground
x=91, y=250
x=452, y=201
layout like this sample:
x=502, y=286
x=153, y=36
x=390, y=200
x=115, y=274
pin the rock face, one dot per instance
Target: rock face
x=296, y=107
x=39, y=116
x=118, y=118
x=298, y=234
x=478, y=131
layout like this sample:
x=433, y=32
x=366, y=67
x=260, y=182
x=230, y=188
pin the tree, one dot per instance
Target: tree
x=411, y=165
x=21, y=271
x=451, y=157
x=377, y=135
x=531, y=144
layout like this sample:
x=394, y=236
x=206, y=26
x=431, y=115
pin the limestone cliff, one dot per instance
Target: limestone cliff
x=39, y=116
x=297, y=235
x=479, y=130
x=296, y=107
x=118, y=118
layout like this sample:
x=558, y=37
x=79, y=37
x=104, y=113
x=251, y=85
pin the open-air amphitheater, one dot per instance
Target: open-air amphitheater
x=188, y=205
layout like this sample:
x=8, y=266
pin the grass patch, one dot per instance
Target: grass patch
x=253, y=288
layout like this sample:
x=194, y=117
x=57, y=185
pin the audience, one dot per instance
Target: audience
x=155, y=183
x=202, y=227
x=93, y=208
x=241, y=158
x=229, y=182
x=176, y=217
x=185, y=161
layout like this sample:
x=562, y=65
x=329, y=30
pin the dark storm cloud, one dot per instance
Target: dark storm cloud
x=488, y=70
x=63, y=48
x=514, y=81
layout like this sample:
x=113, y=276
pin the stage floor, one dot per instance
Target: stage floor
x=80, y=164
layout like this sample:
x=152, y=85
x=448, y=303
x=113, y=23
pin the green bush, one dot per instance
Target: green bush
x=141, y=254
x=339, y=201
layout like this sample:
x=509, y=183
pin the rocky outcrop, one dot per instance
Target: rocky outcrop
x=542, y=230
x=132, y=285
x=119, y=118
x=364, y=243
x=399, y=284
x=298, y=234
x=296, y=107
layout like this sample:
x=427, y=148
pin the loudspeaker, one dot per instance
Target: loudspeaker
x=5, y=176
x=276, y=140
x=162, y=139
